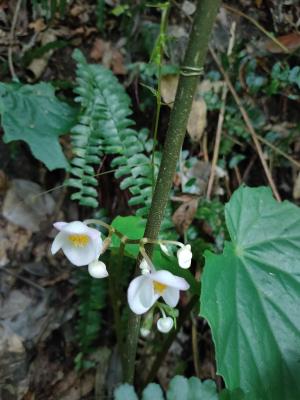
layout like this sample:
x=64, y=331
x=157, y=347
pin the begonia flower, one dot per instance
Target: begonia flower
x=184, y=256
x=165, y=324
x=97, y=269
x=144, y=290
x=80, y=243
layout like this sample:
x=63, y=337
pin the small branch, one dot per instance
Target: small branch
x=258, y=26
x=248, y=124
x=277, y=150
x=11, y=40
x=220, y=120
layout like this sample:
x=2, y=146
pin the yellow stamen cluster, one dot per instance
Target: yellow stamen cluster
x=79, y=240
x=159, y=287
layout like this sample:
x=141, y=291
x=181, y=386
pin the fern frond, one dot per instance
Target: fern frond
x=105, y=127
x=92, y=299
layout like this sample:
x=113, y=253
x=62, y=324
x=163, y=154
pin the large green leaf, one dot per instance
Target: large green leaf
x=34, y=114
x=251, y=295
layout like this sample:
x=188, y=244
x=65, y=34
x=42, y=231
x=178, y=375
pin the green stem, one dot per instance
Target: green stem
x=162, y=34
x=205, y=14
x=114, y=292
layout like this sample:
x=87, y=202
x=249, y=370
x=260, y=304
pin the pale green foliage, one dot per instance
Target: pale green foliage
x=104, y=127
x=251, y=294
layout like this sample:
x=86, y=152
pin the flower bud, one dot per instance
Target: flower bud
x=145, y=332
x=144, y=266
x=97, y=269
x=165, y=324
x=184, y=256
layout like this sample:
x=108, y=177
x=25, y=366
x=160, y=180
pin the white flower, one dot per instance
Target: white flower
x=165, y=324
x=184, y=256
x=80, y=243
x=97, y=269
x=144, y=290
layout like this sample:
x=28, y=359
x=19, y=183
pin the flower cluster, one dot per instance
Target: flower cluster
x=83, y=246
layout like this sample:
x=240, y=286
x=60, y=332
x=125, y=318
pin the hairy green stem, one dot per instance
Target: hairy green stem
x=205, y=14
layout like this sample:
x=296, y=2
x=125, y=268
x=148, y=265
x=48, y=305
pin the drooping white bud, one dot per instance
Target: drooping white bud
x=97, y=269
x=184, y=256
x=145, y=332
x=165, y=324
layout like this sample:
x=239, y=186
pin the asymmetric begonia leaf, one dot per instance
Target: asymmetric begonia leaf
x=251, y=296
x=34, y=114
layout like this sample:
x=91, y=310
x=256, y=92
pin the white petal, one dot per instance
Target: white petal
x=141, y=295
x=59, y=225
x=57, y=243
x=165, y=324
x=79, y=255
x=76, y=227
x=171, y=296
x=97, y=269
x=96, y=240
x=167, y=278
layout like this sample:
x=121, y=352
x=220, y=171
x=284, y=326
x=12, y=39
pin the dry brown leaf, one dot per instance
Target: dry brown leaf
x=184, y=215
x=168, y=88
x=197, y=119
x=77, y=10
x=117, y=63
x=296, y=189
x=290, y=41
x=38, y=65
x=109, y=55
x=38, y=25
x=98, y=49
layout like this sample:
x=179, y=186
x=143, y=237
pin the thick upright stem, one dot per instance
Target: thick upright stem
x=194, y=59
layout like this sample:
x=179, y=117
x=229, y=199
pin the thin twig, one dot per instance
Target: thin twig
x=248, y=124
x=21, y=278
x=258, y=26
x=11, y=40
x=220, y=120
x=279, y=151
